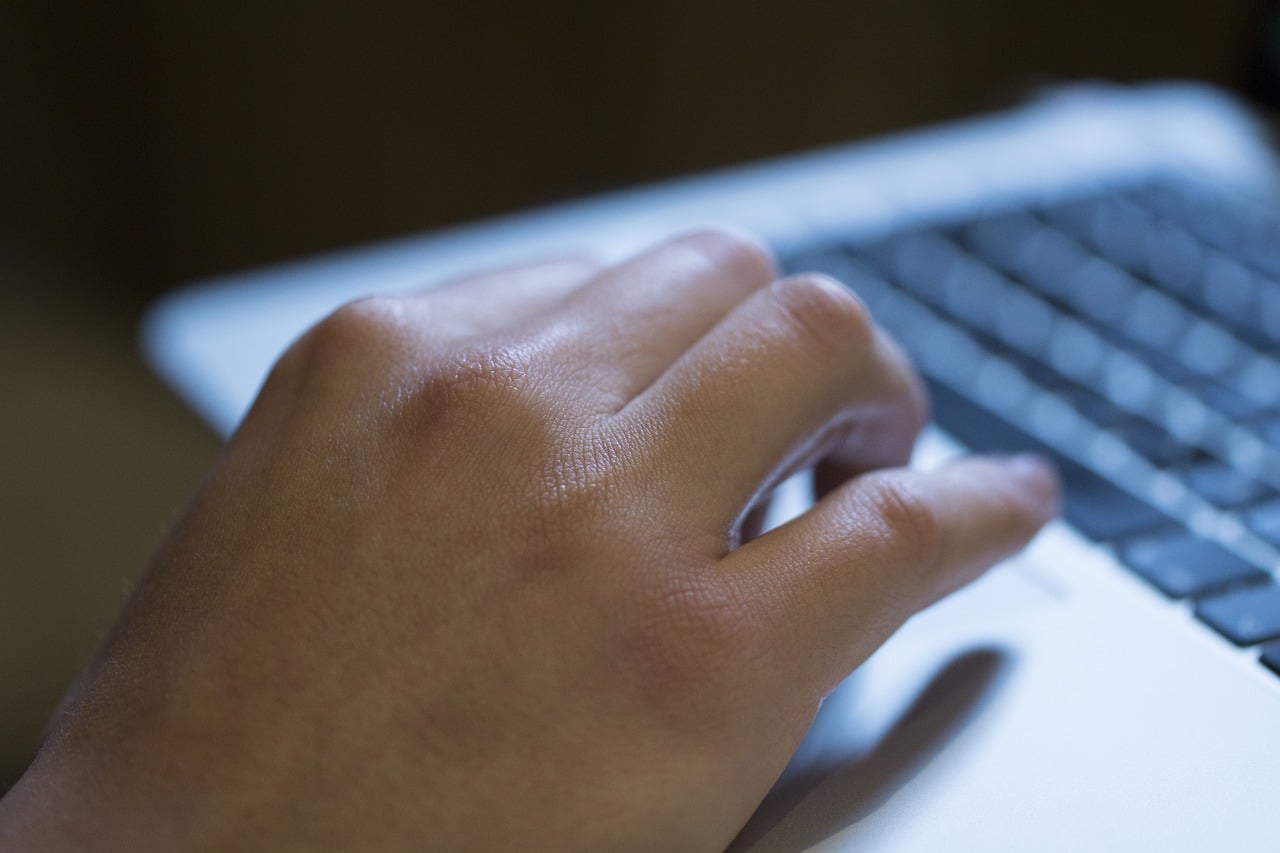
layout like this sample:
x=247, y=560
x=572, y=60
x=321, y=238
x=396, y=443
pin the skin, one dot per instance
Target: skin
x=477, y=573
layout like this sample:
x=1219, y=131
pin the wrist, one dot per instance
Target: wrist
x=49, y=809
x=85, y=802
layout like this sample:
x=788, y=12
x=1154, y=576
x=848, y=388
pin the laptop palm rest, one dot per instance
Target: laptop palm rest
x=974, y=726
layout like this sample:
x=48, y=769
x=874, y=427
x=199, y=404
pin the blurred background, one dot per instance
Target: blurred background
x=146, y=144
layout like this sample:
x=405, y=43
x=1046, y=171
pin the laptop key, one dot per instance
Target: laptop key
x=1209, y=348
x=1046, y=261
x=1246, y=617
x=1157, y=447
x=1271, y=657
x=1098, y=409
x=1156, y=321
x=1038, y=372
x=1120, y=231
x=1269, y=430
x=1264, y=520
x=920, y=262
x=1000, y=238
x=1173, y=258
x=1168, y=367
x=1230, y=404
x=1228, y=286
x=1102, y=292
x=1185, y=566
x=1224, y=486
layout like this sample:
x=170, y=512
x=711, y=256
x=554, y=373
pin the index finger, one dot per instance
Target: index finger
x=795, y=372
x=833, y=584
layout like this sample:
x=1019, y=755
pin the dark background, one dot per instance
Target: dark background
x=149, y=143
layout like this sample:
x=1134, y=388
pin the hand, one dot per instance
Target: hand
x=469, y=576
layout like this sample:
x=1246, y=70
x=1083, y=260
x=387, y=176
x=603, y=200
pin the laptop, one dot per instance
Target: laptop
x=1094, y=275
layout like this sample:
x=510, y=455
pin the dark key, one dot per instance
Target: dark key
x=1264, y=249
x=1156, y=322
x=1271, y=657
x=1173, y=258
x=920, y=263
x=876, y=254
x=1267, y=311
x=1250, y=332
x=1155, y=445
x=1024, y=320
x=1102, y=291
x=1245, y=617
x=1168, y=367
x=1269, y=429
x=1075, y=216
x=1000, y=238
x=1159, y=197
x=1264, y=520
x=1224, y=486
x=1204, y=214
x=971, y=291
x=1209, y=349
x=1228, y=286
x=1047, y=259
x=1229, y=404
x=1182, y=565
x=1096, y=408
x=1120, y=231
x=1100, y=509
x=1038, y=372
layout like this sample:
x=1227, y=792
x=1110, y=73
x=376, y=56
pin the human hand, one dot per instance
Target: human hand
x=469, y=575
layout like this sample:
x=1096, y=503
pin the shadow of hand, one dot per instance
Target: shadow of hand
x=823, y=791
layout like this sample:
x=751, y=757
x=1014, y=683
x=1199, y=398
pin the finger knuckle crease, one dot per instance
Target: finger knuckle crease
x=471, y=386
x=911, y=520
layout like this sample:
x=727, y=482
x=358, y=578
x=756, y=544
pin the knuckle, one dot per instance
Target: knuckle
x=825, y=312
x=353, y=337
x=369, y=318
x=476, y=383
x=493, y=370
x=911, y=521
x=738, y=253
x=356, y=329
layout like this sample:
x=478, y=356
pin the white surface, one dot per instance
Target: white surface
x=1063, y=707
x=1066, y=706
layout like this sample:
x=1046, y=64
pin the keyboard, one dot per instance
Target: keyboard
x=1130, y=333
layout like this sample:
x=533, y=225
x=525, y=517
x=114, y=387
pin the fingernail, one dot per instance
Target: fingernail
x=1038, y=475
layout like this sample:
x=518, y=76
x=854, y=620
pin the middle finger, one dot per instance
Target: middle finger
x=796, y=373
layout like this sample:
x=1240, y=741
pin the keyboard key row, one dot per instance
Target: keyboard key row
x=1185, y=255
x=1102, y=333
x=1127, y=311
